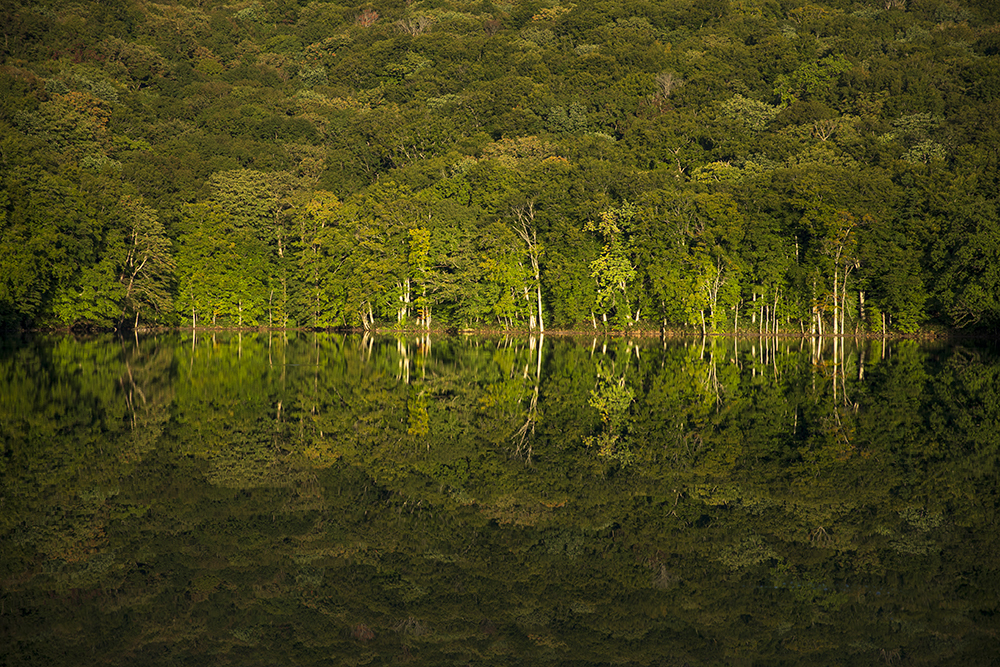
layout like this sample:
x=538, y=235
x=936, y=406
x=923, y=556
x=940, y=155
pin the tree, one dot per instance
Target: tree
x=504, y=278
x=49, y=233
x=525, y=227
x=613, y=270
x=417, y=258
x=226, y=275
x=690, y=243
x=840, y=244
x=147, y=269
x=320, y=250
x=966, y=259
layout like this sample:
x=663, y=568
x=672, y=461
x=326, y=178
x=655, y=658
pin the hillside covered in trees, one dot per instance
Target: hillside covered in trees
x=714, y=164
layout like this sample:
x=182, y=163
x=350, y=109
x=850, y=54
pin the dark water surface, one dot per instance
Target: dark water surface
x=313, y=499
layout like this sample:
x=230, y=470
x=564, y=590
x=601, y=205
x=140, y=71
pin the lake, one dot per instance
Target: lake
x=324, y=499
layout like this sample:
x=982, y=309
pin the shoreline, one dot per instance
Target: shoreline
x=926, y=335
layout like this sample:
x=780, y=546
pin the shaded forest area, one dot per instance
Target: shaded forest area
x=714, y=165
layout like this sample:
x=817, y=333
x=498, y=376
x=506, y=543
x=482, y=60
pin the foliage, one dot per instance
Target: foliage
x=738, y=130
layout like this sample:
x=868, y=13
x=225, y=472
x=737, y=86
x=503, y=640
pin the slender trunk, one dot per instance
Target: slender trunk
x=538, y=280
x=284, y=299
x=836, y=301
x=526, y=230
x=835, y=360
x=774, y=314
x=843, y=304
x=815, y=329
x=131, y=283
x=538, y=365
x=531, y=310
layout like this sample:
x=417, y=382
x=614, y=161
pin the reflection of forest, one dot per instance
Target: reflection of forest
x=302, y=498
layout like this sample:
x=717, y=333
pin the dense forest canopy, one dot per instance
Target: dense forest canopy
x=825, y=166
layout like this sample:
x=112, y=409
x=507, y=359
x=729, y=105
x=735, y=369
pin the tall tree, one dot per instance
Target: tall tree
x=613, y=270
x=147, y=270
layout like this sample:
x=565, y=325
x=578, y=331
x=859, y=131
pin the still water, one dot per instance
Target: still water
x=315, y=499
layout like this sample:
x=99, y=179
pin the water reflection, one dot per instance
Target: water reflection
x=308, y=498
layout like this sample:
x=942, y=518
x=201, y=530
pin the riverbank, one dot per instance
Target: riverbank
x=929, y=334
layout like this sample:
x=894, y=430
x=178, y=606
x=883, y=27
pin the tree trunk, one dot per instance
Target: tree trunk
x=843, y=305
x=526, y=230
x=774, y=314
x=531, y=310
x=836, y=301
x=538, y=289
x=284, y=299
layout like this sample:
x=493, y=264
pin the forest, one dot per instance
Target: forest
x=822, y=167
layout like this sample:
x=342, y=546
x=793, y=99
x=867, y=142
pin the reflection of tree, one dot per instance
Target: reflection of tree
x=510, y=403
x=418, y=422
x=525, y=435
x=74, y=428
x=612, y=398
x=147, y=392
x=738, y=530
